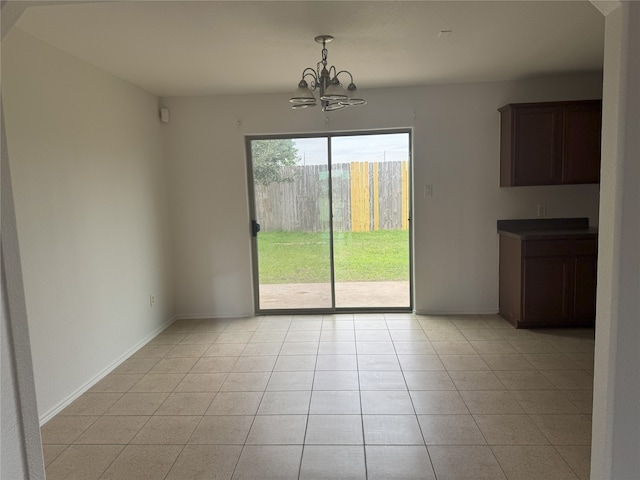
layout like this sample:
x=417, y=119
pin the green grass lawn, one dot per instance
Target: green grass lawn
x=302, y=257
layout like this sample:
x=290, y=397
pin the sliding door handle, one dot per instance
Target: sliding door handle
x=255, y=228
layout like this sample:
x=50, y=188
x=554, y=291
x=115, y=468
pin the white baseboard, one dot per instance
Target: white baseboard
x=455, y=312
x=199, y=316
x=67, y=401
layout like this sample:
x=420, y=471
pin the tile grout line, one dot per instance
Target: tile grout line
x=306, y=426
x=134, y=435
x=476, y=422
x=201, y=416
x=124, y=446
x=424, y=442
x=555, y=388
x=564, y=460
x=364, y=441
x=255, y=414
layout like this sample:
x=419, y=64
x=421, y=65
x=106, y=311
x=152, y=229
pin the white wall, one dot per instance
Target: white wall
x=616, y=407
x=86, y=156
x=456, y=149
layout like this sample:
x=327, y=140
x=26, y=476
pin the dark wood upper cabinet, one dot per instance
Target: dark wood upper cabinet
x=555, y=143
x=582, y=138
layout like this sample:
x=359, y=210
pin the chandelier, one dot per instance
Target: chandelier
x=333, y=96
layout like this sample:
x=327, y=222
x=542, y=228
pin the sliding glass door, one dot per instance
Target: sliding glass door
x=330, y=222
x=292, y=261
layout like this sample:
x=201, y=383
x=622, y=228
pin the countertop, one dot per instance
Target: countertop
x=548, y=228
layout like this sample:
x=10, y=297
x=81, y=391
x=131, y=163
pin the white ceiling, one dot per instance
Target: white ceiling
x=175, y=48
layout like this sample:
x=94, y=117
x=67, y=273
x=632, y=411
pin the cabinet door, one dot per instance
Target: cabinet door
x=537, y=145
x=585, y=288
x=547, y=287
x=510, y=283
x=582, y=137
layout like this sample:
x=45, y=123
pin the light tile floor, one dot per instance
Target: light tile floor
x=379, y=396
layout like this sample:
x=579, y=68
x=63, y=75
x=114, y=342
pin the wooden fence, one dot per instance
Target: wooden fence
x=366, y=196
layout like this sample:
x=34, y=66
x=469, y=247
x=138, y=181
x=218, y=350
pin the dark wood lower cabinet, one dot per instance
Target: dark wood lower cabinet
x=546, y=289
x=586, y=272
x=546, y=283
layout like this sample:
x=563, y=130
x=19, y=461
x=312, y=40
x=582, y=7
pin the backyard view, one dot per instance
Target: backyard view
x=362, y=196
x=300, y=257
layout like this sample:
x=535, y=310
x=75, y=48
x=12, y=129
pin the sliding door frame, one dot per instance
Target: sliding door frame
x=253, y=217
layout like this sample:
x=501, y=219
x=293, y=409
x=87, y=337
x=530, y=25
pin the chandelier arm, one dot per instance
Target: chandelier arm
x=310, y=72
x=347, y=72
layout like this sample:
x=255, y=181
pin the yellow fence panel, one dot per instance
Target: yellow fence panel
x=376, y=197
x=360, y=209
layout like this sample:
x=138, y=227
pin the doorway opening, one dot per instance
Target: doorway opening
x=331, y=222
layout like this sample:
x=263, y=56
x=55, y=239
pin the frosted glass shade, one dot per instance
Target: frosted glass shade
x=303, y=95
x=334, y=91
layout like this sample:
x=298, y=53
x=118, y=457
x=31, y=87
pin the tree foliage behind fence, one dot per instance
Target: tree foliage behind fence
x=366, y=196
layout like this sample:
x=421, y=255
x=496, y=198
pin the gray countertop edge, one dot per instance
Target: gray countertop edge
x=551, y=234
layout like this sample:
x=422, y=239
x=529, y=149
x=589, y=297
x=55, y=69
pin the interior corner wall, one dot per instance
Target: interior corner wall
x=87, y=162
x=616, y=405
x=455, y=149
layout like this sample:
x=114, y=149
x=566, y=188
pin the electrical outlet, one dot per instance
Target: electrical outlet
x=152, y=300
x=542, y=210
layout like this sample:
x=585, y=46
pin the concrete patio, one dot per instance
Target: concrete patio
x=348, y=295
